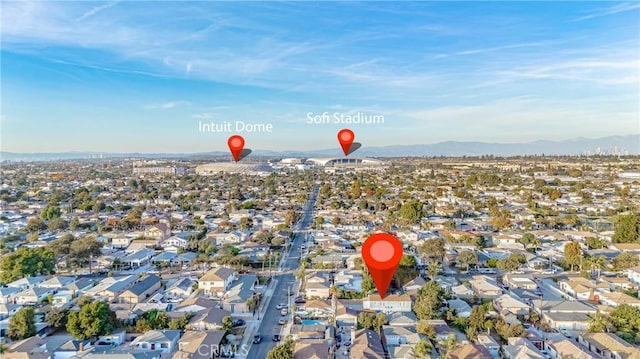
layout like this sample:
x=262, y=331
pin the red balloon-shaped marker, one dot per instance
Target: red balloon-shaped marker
x=236, y=145
x=346, y=137
x=382, y=253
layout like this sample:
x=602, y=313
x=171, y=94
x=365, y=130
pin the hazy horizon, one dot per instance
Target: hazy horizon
x=124, y=77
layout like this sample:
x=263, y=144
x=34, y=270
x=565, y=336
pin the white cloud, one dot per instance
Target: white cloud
x=616, y=9
x=167, y=105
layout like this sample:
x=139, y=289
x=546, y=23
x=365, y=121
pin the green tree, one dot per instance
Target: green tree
x=227, y=323
x=411, y=212
x=422, y=349
x=528, y=239
x=22, y=324
x=573, y=254
x=432, y=248
x=282, y=351
x=93, y=320
x=429, y=301
x=57, y=318
x=600, y=323
x=625, y=260
x=626, y=319
x=367, y=284
x=82, y=249
x=627, y=229
x=26, y=262
x=355, y=190
x=35, y=225
x=467, y=258
x=50, y=212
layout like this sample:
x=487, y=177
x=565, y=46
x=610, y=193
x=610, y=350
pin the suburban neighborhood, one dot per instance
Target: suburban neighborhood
x=503, y=258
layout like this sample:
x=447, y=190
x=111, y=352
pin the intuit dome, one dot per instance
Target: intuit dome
x=230, y=167
x=345, y=162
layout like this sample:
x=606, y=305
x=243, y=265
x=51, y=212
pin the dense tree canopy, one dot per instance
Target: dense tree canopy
x=627, y=229
x=26, y=262
x=22, y=324
x=93, y=320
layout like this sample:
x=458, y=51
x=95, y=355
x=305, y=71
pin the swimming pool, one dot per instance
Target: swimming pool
x=311, y=322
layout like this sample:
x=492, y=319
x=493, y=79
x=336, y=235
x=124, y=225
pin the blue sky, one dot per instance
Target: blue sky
x=138, y=76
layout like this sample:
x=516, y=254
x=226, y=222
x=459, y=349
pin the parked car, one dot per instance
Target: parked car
x=276, y=337
x=281, y=306
x=282, y=321
x=238, y=322
x=257, y=338
x=299, y=300
x=284, y=311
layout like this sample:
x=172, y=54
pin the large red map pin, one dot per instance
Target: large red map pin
x=346, y=137
x=382, y=253
x=236, y=145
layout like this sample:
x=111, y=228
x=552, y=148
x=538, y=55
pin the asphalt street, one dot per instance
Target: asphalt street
x=269, y=323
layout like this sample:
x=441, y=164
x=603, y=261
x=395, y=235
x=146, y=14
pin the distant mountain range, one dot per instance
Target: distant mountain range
x=629, y=144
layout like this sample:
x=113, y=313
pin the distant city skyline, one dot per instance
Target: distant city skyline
x=142, y=76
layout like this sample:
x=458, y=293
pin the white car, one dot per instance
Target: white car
x=281, y=306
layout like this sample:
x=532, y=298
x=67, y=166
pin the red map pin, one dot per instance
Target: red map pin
x=346, y=137
x=382, y=253
x=236, y=145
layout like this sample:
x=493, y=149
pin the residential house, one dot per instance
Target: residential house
x=111, y=287
x=33, y=296
x=513, y=281
x=414, y=284
x=121, y=242
x=317, y=284
x=30, y=348
x=469, y=351
x=391, y=303
x=583, y=288
x=617, y=283
x=174, y=241
x=7, y=310
x=8, y=294
x=521, y=348
x=208, y=319
x=634, y=275
x=71, y=348
x=56, y=282
x=180, y=288
x=138, y=258
x=506, y=304
x=367, y=344
x=402, y=319
x=235, y=299
x=346, y=317
x=461, y=307
x=485, y=287
x=164, y=340
x=27, y=282
x=200, y=344
x=217, y=281
x=393, y=335
x=566, y=348
x=142, y=290
x=618, y=298
x=311, y=349
x=195, y=305
x=492, y=346
x=608, y=346
x=159, y=231
x=308, y=332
